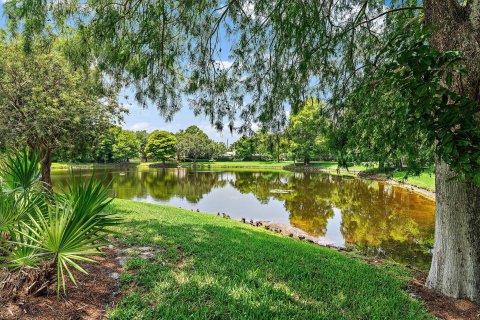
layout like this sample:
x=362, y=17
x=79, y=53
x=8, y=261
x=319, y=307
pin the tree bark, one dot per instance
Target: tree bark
x=381, y=166
x=46, y=164
x=455, y=269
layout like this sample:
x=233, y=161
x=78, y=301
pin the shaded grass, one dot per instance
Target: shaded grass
x=207, y=267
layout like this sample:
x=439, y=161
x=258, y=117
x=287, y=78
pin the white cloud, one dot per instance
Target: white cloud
x=223, y=64
x=138, y=126
x=249, y=9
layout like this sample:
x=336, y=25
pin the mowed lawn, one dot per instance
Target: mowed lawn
x=208, y=267
x=425, y=180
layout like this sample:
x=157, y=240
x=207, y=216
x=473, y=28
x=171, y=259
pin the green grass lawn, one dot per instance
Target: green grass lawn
x=60, y=165
x=425, y=180
x=246, y=164
x=207, y=267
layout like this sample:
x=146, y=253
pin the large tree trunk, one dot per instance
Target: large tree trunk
x=46, y=164
x=455, y=269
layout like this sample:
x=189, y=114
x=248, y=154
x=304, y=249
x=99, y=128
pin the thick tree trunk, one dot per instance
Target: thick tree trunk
x=455, y=269
x=46, y=164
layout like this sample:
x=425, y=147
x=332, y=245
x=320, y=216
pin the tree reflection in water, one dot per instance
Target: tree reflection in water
x=376, y=218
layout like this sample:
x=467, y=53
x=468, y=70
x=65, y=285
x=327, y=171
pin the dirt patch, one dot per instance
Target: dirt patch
x=89, y=300
x=181, y=257
x=441, y=306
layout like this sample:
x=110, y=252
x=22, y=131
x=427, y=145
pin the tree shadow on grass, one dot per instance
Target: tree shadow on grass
x=237, y=272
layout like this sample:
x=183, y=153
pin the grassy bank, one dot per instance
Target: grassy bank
x=425, y=180
x=207, y=267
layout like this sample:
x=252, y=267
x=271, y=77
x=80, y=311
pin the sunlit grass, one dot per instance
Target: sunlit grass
x=207, y=267
x=425, y=180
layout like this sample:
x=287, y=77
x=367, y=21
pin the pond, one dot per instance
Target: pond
x=372, y=216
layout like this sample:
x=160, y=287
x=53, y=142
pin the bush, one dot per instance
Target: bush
x=44, y=236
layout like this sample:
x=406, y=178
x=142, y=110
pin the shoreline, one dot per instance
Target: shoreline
x=341, y=172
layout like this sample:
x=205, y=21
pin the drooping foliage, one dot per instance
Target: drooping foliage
x=280, y=54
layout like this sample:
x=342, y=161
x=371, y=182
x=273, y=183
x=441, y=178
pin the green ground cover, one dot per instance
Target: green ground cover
x=425, y=180
x=207, y=267
x=66, y=165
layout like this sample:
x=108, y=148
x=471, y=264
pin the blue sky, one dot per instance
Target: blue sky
x=149, y=119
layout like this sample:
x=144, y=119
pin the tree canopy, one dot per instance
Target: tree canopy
x=307, y=131
x=46, y=103
x=126, y=146
x=194, y=143
x=285, y=52
x=161, y=145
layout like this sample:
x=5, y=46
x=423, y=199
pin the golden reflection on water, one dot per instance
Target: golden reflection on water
x=374, y=217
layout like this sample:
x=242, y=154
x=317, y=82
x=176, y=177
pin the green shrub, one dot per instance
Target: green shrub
x=44, y=236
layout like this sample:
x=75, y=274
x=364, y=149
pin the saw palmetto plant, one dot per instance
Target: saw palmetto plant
x=44, y=236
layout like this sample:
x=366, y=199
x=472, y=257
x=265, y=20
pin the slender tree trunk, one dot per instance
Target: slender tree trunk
x=46, y=164
x=455, y=269
x=381, y=166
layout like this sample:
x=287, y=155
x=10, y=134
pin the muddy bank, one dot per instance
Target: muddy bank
x=292, y=232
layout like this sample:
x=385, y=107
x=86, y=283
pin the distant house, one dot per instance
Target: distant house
x=229, y=154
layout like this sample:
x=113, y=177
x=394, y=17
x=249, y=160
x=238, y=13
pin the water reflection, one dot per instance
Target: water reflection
x=373, y=216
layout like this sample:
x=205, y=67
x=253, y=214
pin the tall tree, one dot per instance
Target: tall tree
x=103, y=150
x=245, y=147
x=194, y=143
x=288, y=50
x=142, y=137
x=126, y=146
x=306, y=130
x=45, y=102
x=161, y=145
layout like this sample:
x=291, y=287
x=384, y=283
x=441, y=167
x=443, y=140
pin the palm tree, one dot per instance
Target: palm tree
x=45, y=236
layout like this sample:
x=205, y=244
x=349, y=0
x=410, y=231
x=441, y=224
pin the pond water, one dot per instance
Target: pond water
x=372, y=216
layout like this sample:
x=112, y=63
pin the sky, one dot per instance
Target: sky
x=149, y=119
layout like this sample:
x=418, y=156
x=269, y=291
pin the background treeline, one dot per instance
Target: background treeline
x=310, y=134
x=119, y=145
